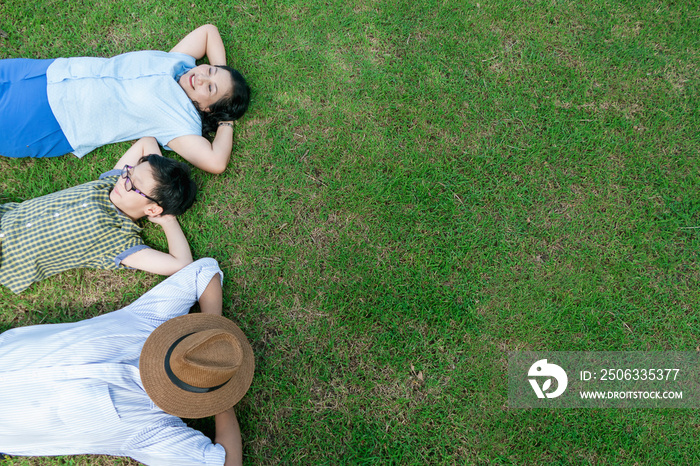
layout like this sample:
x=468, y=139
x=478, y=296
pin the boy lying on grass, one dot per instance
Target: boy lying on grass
x=93, y=225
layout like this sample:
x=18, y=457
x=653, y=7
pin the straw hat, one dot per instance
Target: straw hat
x=196, y=365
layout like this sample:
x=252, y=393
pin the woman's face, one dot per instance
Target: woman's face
x=206, y=84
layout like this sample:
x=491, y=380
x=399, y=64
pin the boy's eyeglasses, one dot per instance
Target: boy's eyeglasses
x=129, y=185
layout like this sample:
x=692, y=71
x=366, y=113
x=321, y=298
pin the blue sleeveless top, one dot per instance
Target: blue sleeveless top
x=99, y=101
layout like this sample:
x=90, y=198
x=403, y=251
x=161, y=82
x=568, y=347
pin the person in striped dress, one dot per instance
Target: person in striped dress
x=119, y=383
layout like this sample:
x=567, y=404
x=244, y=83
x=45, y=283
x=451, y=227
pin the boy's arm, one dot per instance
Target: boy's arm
x=144, y=146
x=163, y=263
x=203, y=41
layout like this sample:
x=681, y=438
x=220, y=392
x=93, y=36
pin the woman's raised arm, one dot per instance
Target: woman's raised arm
x=211, y=157
x=203, y=41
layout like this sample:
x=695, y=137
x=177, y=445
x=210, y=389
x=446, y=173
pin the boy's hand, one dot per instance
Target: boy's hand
x=163, y=263
x=163, y=219
x=144, y=146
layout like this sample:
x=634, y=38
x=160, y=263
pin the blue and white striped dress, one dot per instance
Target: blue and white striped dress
x=75, y=388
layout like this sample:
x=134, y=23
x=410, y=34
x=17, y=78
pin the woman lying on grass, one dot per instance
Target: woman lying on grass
x=52, y=107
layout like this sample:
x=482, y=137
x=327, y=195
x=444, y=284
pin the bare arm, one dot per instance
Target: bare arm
x=163, y=263
x=228, y=435
x=144, y=146
x=203, y=41
x=211, y=301
x=211, y=157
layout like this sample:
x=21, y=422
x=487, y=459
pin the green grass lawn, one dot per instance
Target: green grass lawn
x=418, y=188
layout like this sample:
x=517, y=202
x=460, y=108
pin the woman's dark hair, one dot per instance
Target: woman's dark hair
x=229, y=108
x=175, y=190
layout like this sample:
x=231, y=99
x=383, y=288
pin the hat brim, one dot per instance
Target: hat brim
x=176, y=401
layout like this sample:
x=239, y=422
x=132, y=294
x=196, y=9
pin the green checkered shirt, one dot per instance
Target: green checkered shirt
x=73, y=228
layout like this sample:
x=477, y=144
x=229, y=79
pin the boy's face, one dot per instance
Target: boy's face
x=132, y=203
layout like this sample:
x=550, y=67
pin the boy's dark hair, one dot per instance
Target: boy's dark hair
x=228, y=108
x=175, y=190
